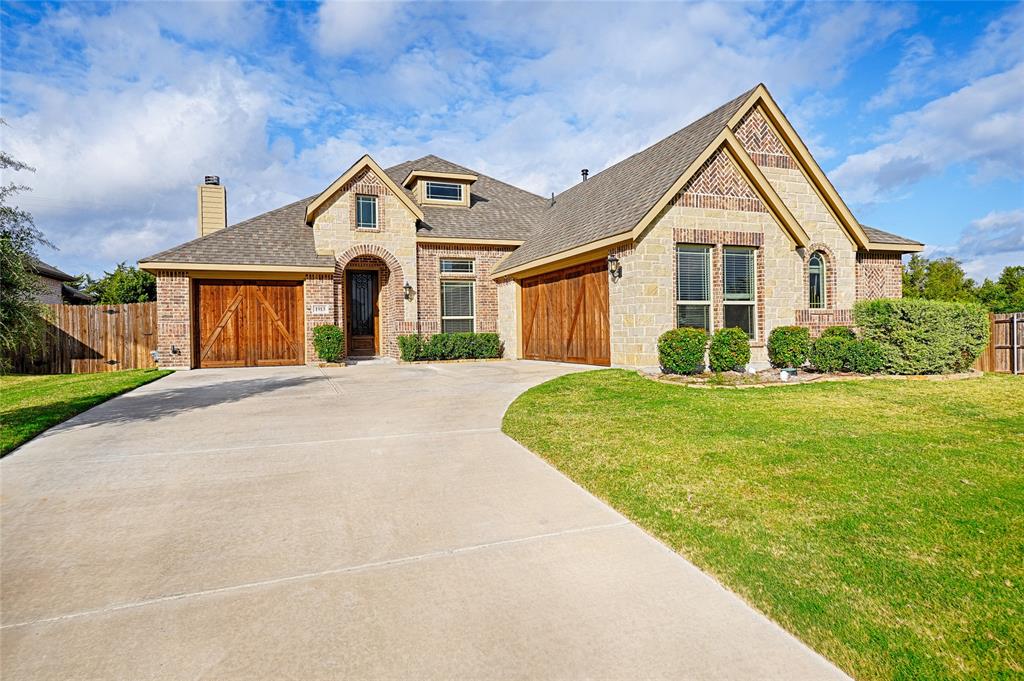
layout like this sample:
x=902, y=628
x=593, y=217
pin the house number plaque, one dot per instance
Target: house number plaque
x=320, y=309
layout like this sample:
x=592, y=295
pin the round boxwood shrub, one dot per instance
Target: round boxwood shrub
x=838, y=332
x=329, y=342
x=788, y=346
x=864, y=357
x=829, y=353
x=681, y=351
x=729, y=350
x=919, y=336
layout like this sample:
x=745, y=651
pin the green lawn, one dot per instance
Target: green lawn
x=882, y=522
x=31, y=404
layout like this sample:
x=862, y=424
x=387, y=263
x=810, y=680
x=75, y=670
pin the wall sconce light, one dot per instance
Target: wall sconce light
x=614, y=267
x=408, y=291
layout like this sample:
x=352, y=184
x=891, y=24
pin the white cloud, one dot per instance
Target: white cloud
x=988, y=244
x=914, y=73
x=342, y=28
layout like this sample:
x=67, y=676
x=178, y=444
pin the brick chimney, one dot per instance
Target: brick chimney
x=213, y=205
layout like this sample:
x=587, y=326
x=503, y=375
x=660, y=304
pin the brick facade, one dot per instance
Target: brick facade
x=50, y=291
x=428, y=277
x=762, y=144
x=818, y=320
x=174, y=320
x=317, y=289
x=719, y=184
x=879, y=275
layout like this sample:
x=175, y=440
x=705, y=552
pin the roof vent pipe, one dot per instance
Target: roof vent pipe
x=584, y=173
x=552, y=198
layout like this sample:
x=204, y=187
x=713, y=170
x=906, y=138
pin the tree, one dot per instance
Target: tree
x=1006, y=294
x=21, y=315
x=941, y=279
x=126, y=284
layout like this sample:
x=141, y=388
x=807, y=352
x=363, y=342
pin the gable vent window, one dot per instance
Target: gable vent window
x=444, y=191
x=457, y=309
x=693, y=287
x=739, y=288
x=366, y=212
x=449, y=266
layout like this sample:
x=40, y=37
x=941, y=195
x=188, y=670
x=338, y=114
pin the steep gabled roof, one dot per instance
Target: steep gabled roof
x=278, y=237
x=614, y=200
x=497, y=210
x=49, y=271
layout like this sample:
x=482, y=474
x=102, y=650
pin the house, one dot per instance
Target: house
x=55, y=287
x=727, y=222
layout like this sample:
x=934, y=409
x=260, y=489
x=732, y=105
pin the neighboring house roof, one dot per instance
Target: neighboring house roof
x=49, y=271
x=73, y=295
x=497, y=210
x=279, y=237
x=614, y=200
x=883, y=237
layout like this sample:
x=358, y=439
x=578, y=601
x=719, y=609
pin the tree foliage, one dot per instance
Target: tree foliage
x=126, y=284
x=944, y=279
x=20, y=312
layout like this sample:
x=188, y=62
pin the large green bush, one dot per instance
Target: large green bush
x=919, y=336
x=329, y=342
x=681, y=351
x=838, y=332
x=449, y=346
x=864, y=357
x=829, y=353
x=788, y=346
x=729, y=350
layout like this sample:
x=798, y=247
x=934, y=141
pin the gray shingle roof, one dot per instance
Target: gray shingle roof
x=45, y=270
x=278, y=237
x=613, y=201
x=882, y=237
x=497, y=210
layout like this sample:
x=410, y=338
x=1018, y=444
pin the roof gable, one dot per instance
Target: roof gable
x=362, y=164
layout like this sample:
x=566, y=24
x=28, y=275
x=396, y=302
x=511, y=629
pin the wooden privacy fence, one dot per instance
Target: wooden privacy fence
x=88, y=339
x=1005, y=351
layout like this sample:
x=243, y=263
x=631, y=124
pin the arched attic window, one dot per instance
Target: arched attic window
x=816, y=286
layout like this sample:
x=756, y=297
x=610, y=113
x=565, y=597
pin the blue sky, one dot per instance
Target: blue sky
x=915, y=111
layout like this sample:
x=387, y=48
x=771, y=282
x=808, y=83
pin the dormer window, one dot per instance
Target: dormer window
x=444, y=191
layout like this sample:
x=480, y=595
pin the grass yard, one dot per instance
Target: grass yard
x=882, y=522
x=31, y=404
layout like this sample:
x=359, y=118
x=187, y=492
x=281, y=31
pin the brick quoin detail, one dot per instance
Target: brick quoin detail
x=879, y=275
x=718, y=184
x=174, y=320
x=391, y=297
x=369, y=184
x=760, y=141
x=428, y=286
x=818, y=320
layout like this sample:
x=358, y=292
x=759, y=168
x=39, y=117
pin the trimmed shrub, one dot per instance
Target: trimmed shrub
x=449, y=346
x=918, y=336
x=829, y=353
x=681, y=351
x=788, y=346
x=864, y=357
x=329, y=342
x=838, y=332
x=729, y=349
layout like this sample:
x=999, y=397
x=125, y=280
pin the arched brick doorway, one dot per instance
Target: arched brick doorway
x=369, y=281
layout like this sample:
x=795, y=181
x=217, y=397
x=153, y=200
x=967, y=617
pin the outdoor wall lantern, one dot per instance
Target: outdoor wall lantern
x=408, y=291
x=614, y=266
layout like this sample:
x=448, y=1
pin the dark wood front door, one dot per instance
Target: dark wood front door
x=248, y=323
x=565, y=315
x=363, y=315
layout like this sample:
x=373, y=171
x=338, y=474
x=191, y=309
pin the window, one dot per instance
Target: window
x=444, y=191
x=816, y=280
x=450, y=266
x=457, y=306
x=366, y=212
x=739, y=286
x=693, y=286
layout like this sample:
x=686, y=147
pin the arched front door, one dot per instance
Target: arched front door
x=363, y=312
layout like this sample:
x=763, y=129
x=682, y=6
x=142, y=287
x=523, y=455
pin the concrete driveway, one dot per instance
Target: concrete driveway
x=366, y=522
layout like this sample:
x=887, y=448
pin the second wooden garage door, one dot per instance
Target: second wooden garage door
x=565, y=315
x=248, y=323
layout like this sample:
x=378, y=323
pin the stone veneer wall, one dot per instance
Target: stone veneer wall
x=508, y=316
x=174, y=325
x=428, y=287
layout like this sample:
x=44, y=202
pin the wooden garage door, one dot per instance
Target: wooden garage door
x=248, y=323
x=565, y=315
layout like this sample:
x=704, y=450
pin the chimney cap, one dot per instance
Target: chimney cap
x=212, y=179
x=584, y=173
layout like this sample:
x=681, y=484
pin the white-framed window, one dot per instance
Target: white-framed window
x=457, y=266
x=366, y=211
x=457, y=306
x=816, y=288
x=693, y=286
x=740, y=289
x=444, y=191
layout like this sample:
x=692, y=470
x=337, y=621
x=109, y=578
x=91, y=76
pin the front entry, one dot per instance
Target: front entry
x=363, y=313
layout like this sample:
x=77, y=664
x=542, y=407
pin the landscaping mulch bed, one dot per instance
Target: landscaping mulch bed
x=766, y=378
